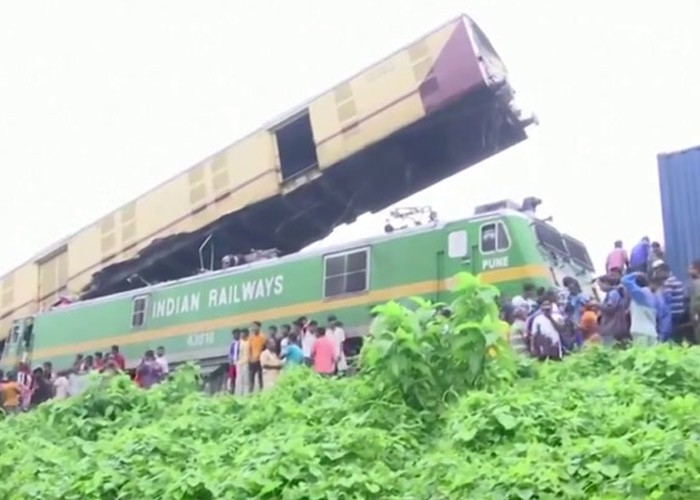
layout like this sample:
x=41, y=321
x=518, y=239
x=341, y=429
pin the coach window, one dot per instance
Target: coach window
x=345, y=273
x=494, y=237
x=138, y=314
x=296, y=146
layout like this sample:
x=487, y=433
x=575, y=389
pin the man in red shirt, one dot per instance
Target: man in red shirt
x=617, y=259
x=323, y=353
x=118, y=358
x=99, y=360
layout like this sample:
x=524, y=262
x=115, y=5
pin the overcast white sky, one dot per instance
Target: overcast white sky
x=102, y=100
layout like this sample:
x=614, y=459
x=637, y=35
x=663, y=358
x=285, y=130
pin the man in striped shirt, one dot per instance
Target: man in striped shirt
x=675, y=290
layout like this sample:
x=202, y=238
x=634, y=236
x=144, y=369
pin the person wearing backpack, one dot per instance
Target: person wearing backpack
x=614, y=324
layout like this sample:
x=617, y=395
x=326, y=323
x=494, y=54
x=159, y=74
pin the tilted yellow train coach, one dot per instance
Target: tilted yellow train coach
x=431, y=109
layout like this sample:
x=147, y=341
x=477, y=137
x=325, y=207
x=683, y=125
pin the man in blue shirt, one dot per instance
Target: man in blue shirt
x=575, y=303
x=664, y=323
x=676, y=298
x=644, y=308
x=576, y=299
x=639, y=256
x=292, y=353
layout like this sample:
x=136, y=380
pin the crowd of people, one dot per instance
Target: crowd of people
x=256, y=360
x=643, y=303
x=26, y=388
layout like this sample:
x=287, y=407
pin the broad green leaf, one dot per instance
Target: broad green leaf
x=507, y=421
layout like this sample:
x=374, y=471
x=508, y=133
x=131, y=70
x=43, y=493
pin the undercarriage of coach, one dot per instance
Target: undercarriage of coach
x=444, y=143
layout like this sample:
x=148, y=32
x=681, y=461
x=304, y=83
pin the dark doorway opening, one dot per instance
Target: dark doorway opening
x=295, y=142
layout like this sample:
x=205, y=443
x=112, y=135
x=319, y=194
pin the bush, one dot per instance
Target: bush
x=441, y=410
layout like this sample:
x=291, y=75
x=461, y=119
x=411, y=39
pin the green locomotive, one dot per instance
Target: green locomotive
x=503, y=242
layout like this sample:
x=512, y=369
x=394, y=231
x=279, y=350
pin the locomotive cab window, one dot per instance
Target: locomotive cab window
x=345, y=273
x=138, y=312
x=494, y=237
x=578, y=253
x=550, y=238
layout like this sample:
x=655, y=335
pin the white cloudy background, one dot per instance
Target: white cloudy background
x=102, y=100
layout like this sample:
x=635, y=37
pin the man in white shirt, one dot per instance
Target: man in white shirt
x=546, y=330
x=162, y=360
x=336, y=333
x=526, y=301
x=61, y=386
x=308, y=337
x=77, y=383
x=285, y=331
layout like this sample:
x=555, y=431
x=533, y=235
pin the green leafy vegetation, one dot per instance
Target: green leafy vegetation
x=442, y=410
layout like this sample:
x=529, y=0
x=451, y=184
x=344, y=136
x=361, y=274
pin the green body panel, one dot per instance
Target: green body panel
x=192, y=318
